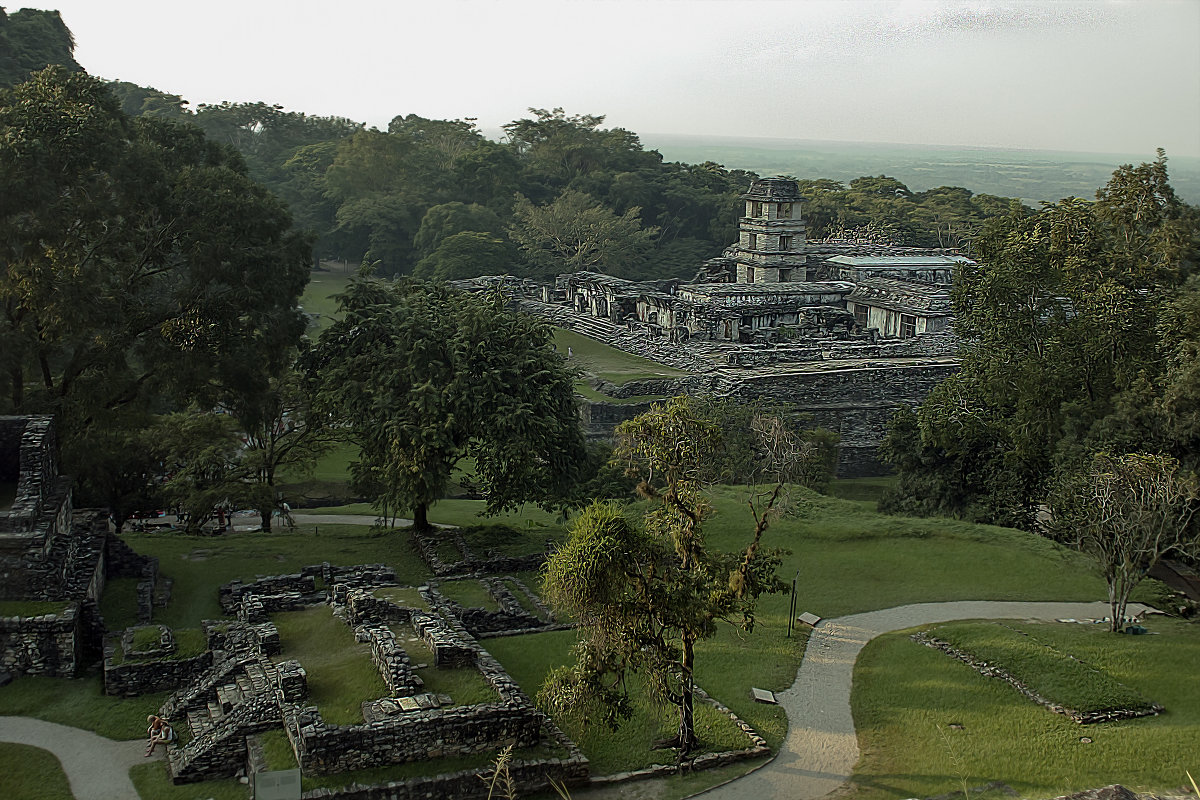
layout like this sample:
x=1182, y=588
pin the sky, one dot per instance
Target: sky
x=1107, y=76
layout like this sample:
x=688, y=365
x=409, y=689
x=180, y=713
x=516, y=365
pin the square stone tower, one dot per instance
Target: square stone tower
x=771, y=241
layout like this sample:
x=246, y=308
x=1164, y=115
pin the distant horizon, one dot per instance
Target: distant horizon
x=1086, y=76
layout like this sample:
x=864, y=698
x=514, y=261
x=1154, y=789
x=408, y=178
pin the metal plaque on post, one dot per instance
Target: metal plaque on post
x=281, y=785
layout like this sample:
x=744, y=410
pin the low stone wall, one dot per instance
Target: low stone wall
x=529, y=777
x=363, y=608
x=231, y=594
x=144, y=676
x=394, y=665
x=49, y=644
x=992, y=671
x=239, y=636
x=220, y=751
x=426, y=545
x=435, y=733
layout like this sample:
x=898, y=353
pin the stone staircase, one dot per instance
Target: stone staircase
x=236, y=698
x=250, y=682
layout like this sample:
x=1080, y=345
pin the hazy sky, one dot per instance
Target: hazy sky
x=1103, y=75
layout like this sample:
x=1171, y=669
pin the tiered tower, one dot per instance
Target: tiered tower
x=771, y=238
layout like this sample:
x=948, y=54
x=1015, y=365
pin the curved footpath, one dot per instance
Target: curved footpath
x=816, y=758
x=97, y=768
x=821, y=749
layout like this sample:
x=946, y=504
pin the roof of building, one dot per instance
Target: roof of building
x=720, y=290
x=775, y=190
x=900, y=261
x=901, y=295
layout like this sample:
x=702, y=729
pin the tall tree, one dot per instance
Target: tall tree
x=279, y=430
x=646, y=592
x=575, y=232
x=141, y=266
x=1127, y=513
x=30, y=41
x=423, y=377
x=1062, y=355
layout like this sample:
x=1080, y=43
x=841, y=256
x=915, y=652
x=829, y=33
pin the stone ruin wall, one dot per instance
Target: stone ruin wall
x=416, y=736
x=135, y=678
x=857, y=403
x=48, y=644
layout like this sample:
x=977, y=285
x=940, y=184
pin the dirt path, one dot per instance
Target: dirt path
x=97, y=768
x=821, y=748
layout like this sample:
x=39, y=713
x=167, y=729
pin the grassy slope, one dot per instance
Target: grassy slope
x=318, y=296
x=602, y=361
x=904, y=692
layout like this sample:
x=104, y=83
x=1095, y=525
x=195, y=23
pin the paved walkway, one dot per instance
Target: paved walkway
x=97, y=768
x=821, y=748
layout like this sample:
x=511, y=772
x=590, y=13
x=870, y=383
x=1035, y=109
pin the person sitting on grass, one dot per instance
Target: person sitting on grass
x=159, y=732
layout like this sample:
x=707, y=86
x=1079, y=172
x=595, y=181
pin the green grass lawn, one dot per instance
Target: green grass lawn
x=30, y=608
x=465, y=513
x=80, y=702
x=465, y=685
x=341, y=674
x=118, y=604
x=906, y=696
x=867, y=490
x=1059, y=677
x=318, y=295
x=468, y=594
x=847, y=558
x=198, y=564
x=153, y=783
x=608, y=363
x=529, y=658
x=405, y=596
x=31, y=773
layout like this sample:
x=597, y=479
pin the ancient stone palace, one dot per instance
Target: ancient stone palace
x=845, y=330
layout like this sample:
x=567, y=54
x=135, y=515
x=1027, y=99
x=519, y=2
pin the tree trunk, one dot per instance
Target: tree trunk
x=265, y=515
x=1116, y=606
x=687, y=722
x=421, y=516
x=16, y=377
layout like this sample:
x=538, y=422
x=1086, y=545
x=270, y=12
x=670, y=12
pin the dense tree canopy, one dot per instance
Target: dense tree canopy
x=30, y=41
x=1078, y=323
x=423, y=377
x=142, y=267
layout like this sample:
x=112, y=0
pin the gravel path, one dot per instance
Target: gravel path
x=821, y=749
x=97, y=768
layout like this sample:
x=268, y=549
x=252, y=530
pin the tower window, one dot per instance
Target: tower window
x=785, y=242
x=754, y=241
x=749, y=274
x=785, y=210
x=756, y=209
x=908, y=326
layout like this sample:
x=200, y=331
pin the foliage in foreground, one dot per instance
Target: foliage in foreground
x=142, y=268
